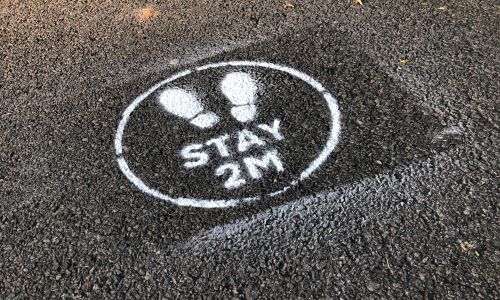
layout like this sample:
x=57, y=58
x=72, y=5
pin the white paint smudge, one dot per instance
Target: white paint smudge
x=341, y=200
x=452, y=130
x=446, y=132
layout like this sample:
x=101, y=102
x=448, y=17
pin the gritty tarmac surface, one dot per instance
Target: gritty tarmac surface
x=405, y=206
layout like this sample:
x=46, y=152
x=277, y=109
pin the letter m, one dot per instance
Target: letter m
x=270, y=158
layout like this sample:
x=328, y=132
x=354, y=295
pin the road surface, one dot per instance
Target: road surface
x=262, y=149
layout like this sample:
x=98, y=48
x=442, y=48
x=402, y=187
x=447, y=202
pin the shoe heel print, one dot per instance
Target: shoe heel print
x=240, y=89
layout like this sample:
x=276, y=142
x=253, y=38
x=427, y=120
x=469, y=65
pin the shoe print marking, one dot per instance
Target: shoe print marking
x=241, y=90
x=186, y=105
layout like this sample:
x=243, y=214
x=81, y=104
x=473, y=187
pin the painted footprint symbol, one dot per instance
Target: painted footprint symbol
x=184, y=104
x=241, y=90
x=238, y=87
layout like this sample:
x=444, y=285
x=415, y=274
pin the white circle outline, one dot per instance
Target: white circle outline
x=214, y=203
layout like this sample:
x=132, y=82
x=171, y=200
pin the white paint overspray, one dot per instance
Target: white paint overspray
x=332, y=141
x=342, y=200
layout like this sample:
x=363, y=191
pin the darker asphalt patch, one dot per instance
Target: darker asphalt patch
x=382, y=127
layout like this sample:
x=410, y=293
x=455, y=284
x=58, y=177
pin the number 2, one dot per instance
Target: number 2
x=234, y=180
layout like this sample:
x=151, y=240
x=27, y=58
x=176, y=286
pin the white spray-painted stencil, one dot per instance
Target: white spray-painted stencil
x=197, y=155
x=240, y=91
x=185, y=105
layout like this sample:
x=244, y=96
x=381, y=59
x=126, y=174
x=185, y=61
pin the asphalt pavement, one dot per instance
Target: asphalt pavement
x=249, y=150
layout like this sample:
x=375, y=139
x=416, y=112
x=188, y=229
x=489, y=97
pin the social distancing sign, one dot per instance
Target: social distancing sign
x=227, y=133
